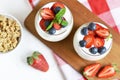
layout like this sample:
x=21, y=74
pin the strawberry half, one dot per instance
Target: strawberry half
x=98, y=42
x=38, y=61
x=98, y=26
x=103, y=32
x=92, y=69
x=89, y=39
x=46, y=13
x=42, y=24
x=107, y=71
x=56, y=26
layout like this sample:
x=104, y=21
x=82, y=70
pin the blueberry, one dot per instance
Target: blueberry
x=47, y=23
x=102, y=50
x=93, y=50
x=52, y=31
x=82, y=43
x=84, y=31
x=92, y=26
x=57, y=9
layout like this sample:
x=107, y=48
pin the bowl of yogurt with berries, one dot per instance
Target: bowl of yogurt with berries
x=54, y=21
x=92, y=41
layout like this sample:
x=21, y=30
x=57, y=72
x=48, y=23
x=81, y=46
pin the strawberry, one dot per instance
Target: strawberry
x=47, y=13
x=38, y=61
x=91, y=70
x=91, y=32
x=107, y=71
x=98, y=42
x=57, y=4
x=56, y=26
x=98, y=26
x=42, y=24
x=103, y=32
x=89, y=39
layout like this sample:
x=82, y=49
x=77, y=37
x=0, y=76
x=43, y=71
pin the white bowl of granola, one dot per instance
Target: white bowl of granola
x=10, y=32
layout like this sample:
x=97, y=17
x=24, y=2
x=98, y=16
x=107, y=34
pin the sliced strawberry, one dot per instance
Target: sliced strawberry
x=103, y=32
x=57, y=4
x=42, y=24
x=56, y=26
x=89, y=39
x=91, y=32
x=92, y=69
x=107, y=71
x=98, y=42
x=46, y=13
x=38, y=61
x=98, y=26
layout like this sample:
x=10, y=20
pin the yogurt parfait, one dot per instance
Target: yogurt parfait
x=92, y=41
x=54, y=21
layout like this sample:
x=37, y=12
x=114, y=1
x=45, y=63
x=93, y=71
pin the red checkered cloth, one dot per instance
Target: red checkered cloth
x=108, y=11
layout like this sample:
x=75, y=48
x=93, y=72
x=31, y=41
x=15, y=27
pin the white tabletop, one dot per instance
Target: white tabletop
x=13, y=66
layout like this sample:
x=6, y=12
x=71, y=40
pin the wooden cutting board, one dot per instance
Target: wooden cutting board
x=64, y=48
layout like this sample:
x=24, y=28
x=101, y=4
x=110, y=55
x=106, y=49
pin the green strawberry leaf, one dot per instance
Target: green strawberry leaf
x=60, y=14
x=36, y=55
x=30, y=60
x=64, y=23
x=50, y=26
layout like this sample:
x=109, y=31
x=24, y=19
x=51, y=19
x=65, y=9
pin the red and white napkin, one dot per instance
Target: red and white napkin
x=108, y=11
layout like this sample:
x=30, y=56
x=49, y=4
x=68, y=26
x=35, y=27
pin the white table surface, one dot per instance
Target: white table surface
x=13, y=66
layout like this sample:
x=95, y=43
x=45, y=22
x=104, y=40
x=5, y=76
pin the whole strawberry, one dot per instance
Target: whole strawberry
x=38, y=61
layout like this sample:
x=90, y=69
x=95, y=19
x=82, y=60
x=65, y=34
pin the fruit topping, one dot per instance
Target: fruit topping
x=93, y=50
x=56, y=26
x=91, y=70
x=47, y=13
x=82, y=43
x=38, y=61
x=98, y=42
x=84, y=31
x=89, y=40
x=103, y=32
x=52, y=18
x=102, y=50
x=52, y=31
x=57, y=7
x=94, y=38
x=92, y=26
x=42, y=24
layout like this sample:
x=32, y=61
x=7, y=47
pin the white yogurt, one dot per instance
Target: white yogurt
x=60, y=34
x=84, y=52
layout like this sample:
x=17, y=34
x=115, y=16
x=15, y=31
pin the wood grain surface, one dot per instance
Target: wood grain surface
x=64, y=48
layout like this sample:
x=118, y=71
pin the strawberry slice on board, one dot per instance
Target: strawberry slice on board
x=47, y=14
x=89, y=39
x=98, y=42
x=92, y=69
x=38, y=61
x=107, y=71
x=103, y=32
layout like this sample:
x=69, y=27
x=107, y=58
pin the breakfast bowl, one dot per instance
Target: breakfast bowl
x=54, y=21
x=92, y=41
x=10, y=33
